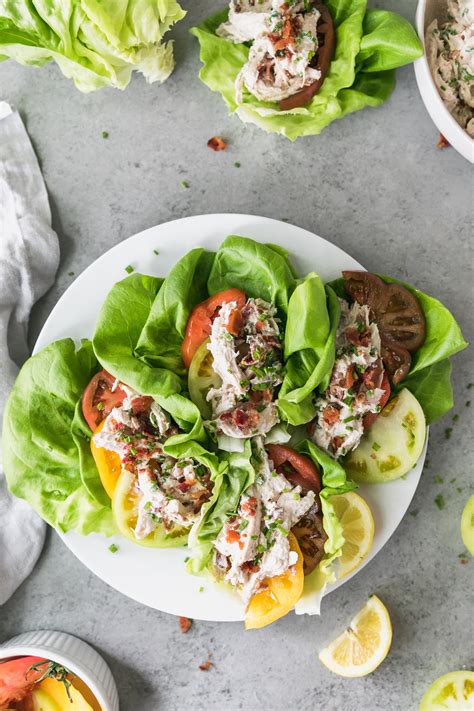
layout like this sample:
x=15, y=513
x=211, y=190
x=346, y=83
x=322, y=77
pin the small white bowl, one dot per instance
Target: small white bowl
x=73, y=653
x=427, y=11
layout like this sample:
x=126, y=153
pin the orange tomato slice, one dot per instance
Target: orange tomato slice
x=280, y=596
x=108, y=463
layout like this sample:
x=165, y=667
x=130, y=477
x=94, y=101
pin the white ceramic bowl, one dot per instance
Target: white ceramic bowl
x=73, y=653
x=427, y=11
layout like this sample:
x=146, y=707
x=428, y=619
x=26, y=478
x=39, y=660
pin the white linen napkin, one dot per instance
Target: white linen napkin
x=29, y=258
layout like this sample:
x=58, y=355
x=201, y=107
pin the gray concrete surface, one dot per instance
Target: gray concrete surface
x=375, y=185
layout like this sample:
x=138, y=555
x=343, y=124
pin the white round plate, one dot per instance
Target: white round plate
x=157, y=577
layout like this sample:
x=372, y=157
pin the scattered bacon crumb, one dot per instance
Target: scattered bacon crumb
x=217, y=143
x=442, y=143
x=185, y=624
x=205, y=666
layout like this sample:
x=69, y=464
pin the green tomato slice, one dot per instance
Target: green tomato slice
x=454, y=691
x=392, y=445
x=467, y=525
x=125, y=512
x=201, y=378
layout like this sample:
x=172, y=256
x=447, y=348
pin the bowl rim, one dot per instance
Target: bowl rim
x=434, y=104
x=49, y=652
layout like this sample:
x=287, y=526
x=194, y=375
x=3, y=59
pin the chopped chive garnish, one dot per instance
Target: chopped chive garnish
x=155, y=251
x=237, y=164
x=438, y=479
x=243, y=525
x=184, y=184
x=439, y=501
x=113, y=548
x=129, y=269
x=100, y=406
x=105, y=134
x=376, y=446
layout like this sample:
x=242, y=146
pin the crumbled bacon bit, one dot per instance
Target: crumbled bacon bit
x=232, y=536
x=185, y=624
x=205, y=666
x=350, y=377
x=216, y=143
x=250, y=567
x=250, y=507
x=330, y=414
x=442, y=143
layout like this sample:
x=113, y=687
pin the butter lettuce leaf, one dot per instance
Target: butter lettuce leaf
x=310, y=347
x=262, y=271
x=94, y=43
x=369, y=45
x=46, y=453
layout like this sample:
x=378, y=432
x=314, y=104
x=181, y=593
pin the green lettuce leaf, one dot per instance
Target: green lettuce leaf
x=261, y=270
x=235, y=475
x=432, y=388
x=94, y=43
x=429, y=378
x=334, y=482
x=159, y=343
x=46, y=453
x=310, y=347
x=369, y=45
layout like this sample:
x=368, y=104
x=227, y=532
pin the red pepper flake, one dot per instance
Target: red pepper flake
x=185, y=624
x=205, y=666
x=442, y=143
x=216, y=143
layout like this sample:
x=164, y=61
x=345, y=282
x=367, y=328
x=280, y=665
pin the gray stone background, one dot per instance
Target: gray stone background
x=374, y=184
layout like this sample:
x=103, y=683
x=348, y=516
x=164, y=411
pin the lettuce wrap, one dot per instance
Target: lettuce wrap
x=46, y=441
x=95, y=44
x=370, y=44
x=429, y=378
x=239, y=475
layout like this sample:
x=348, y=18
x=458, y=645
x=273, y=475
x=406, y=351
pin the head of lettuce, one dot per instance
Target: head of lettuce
x=95, y=43
x=369, y=45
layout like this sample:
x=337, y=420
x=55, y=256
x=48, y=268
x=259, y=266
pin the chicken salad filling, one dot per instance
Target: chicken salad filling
x=285, y=42
x=247, y=357
x=168, y=491
x=253, y=544
x=357, y=386
x=450, y=52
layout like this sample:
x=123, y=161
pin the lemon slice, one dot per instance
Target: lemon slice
x=454, y=691
x=467, y=525
x=358, y=529
x=365, y=643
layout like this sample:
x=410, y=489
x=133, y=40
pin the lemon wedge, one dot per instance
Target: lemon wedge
x=365, y=643
x=454, y=691
x=358, y=529
x=467, y=525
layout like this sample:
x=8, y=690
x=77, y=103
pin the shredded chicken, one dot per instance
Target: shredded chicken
x=450, y=52
x=253, y=544
x=354, y=389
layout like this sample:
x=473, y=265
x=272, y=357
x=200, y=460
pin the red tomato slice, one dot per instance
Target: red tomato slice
x=370, y=418
x=297, y=468
x=16, y=681
x=98, y=400
x=199, y=324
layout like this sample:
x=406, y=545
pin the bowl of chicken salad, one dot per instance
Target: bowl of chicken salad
x=294, y=66
x=212, y=442
x=445, y=74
